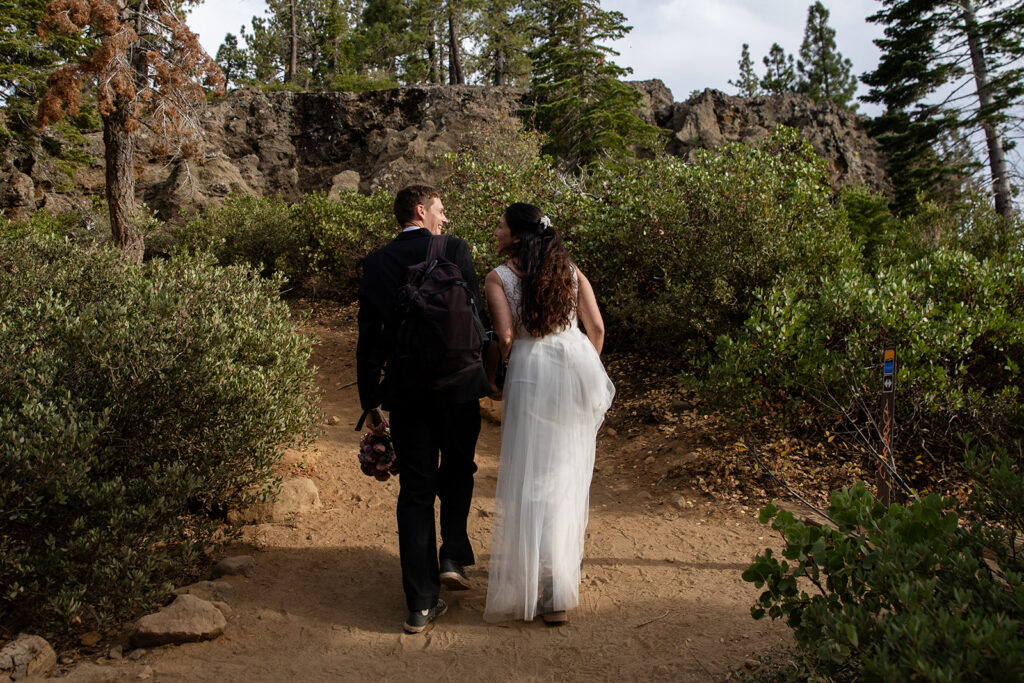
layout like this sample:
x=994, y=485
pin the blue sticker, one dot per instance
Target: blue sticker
x=889, y=366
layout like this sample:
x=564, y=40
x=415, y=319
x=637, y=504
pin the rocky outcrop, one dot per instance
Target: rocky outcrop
x=296, y=143
x=711, y=118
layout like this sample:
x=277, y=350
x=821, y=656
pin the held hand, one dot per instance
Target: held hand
x=376, y=422
x=496, y=393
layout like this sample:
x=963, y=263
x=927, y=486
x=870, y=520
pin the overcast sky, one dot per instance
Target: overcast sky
x=688, y=44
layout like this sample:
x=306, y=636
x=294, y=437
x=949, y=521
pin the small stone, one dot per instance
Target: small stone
x=333, y=420
x=26, y=656
x=649, y=460
x=186, y=620
x=751, y=664
x=90, y=638
x=611, y=431
x=146, y=673
x=116, y=652
x=65, y=660
x=224, y=608
x=136, y=655
x=309, y=537
x=240, y=565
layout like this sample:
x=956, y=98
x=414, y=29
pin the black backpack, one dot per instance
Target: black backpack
x=438, y=334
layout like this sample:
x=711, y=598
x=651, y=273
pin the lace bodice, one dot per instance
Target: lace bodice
x=512, y=285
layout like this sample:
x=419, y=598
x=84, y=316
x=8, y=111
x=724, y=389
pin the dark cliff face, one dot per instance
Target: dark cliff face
x=296, y=143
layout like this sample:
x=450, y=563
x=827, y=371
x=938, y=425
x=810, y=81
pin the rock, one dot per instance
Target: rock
x=751, y=664
x=146, y=673
x=344, y=181
x=136, y=655
x=234, y=566
x=116, y=652
x=490, y=410
x=611, y=431
x=224, y=608
x=656, y=103
x=649, y=460
x=90, y=638
x=66, y=660
x=17, y=194
x=298, y=496
x=333, y=420
x=712, y=118
x=186, y=620
x=208, y=590
x=25, y=656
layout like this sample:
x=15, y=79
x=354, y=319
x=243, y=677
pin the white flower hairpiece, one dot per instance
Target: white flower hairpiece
x=546, y=223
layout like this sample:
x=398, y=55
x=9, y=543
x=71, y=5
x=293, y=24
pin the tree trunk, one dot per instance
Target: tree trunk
x=119, y=154
x=996, y=152
x=499, y=65
x=293, y=57
x=432, y=73
x=454, y=58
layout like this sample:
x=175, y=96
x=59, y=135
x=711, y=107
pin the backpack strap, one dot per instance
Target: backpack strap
x=437, y=247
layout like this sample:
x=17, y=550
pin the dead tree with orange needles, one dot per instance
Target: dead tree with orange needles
x=147, y=68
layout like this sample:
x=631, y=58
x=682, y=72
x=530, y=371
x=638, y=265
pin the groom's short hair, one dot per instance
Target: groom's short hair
x=409, y=197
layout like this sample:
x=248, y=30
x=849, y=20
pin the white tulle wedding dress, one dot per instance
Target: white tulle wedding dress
x=555, y=397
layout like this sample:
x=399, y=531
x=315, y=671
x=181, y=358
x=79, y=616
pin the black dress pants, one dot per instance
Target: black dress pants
x=420, y=432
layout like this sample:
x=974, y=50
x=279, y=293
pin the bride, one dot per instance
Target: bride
x=555, y=395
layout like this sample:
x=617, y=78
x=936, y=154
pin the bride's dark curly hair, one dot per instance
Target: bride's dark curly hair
x=549, y=297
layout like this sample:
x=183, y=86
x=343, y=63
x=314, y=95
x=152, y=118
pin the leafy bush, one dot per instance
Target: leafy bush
x=138, y=401
x=898, y=594
x=316, y=243
x=677, y=250
x=955, y=322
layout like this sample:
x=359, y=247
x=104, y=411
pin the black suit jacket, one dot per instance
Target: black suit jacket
x=383, y=273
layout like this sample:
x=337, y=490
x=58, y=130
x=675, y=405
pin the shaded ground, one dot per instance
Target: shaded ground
x=662, y=598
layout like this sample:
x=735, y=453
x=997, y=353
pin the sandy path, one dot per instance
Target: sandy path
x=662, y=598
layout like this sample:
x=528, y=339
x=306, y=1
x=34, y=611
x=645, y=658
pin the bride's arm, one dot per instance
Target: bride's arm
x=589, y=313
x=501, y=313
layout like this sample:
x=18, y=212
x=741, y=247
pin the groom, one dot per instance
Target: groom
x=424, y=423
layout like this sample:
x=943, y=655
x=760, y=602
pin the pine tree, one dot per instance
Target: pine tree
x=577, y=97
x=145, y=64
x=504, y=31
x=824, y=73
x=233, y=62
x=25, y=60
x=748, y=83
x=780, y=76
x=923, y=82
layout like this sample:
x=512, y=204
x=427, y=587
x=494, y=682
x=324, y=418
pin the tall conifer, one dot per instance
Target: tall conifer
x=823, y=72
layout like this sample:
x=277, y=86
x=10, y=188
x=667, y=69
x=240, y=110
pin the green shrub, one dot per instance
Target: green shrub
x=676, y=251
x=138, y=402
x=316, y=243
x=956, y=324
x=897, y=594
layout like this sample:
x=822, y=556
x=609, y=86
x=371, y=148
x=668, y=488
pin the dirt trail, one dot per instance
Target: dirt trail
x=662, y=598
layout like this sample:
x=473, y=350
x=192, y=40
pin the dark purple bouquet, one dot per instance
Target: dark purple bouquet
x=377, y=455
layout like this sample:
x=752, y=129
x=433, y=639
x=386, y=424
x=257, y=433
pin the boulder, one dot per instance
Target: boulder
x=298, y=496
x=186, y=620
x=25, y=656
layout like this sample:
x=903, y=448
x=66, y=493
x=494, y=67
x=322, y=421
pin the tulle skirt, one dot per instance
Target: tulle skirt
x=556, y=394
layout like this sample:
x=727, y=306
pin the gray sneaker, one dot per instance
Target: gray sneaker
x=418, y=619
